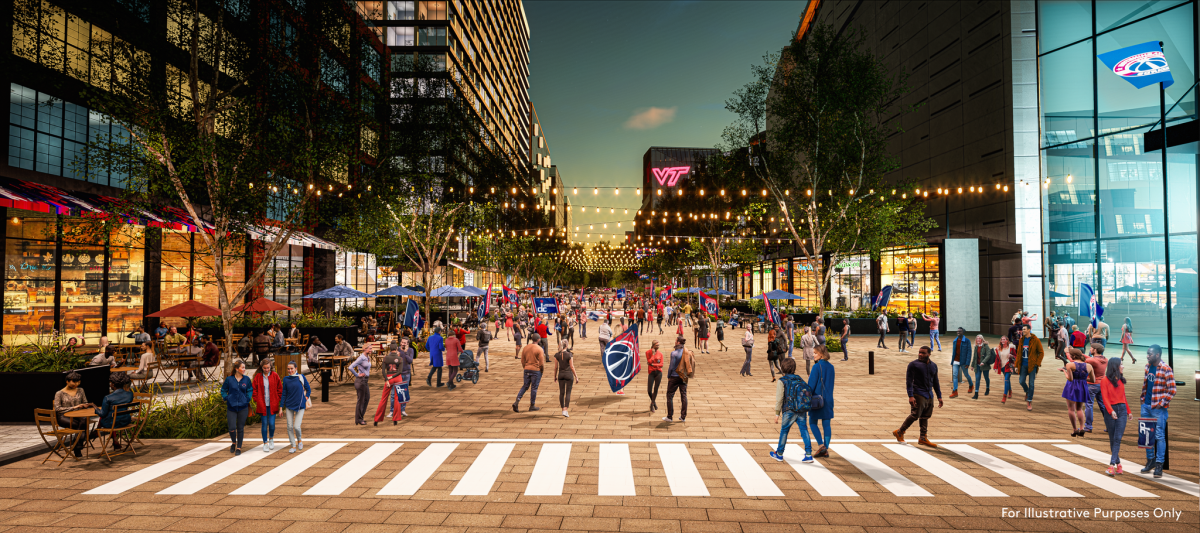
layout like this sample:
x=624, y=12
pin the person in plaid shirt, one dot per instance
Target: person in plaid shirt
x=1154, y=405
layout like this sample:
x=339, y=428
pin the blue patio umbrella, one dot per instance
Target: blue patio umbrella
x=475, y=291
x=782, y=295
x=447, y=291
x=719, y=292
x=397, y=291
x=337, y=292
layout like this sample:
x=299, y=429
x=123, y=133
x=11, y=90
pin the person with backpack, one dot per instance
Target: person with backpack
x=683, y=367
x=793, y=399
x=921, y=381
x=820, y=382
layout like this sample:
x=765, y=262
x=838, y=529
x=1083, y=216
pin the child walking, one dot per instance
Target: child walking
x=792, y=401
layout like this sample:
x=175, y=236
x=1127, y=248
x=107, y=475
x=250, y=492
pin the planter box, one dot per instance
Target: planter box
x=26, y=391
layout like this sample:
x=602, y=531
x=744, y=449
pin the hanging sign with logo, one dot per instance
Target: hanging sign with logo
x=1141, y=64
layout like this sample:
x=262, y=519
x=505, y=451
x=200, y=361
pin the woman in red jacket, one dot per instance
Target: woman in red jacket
x=268, y=389
x=654, y=365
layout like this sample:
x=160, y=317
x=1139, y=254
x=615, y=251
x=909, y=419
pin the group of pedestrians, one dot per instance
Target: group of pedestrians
x=271, y=394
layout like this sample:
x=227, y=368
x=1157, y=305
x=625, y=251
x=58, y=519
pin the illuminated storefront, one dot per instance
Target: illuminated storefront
x=850, y=283
x=914, y=277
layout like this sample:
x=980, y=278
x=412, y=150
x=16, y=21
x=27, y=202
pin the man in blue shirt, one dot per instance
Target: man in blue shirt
x=960, y=359
x=921, y=380
x=161, y=331
x=435, y=346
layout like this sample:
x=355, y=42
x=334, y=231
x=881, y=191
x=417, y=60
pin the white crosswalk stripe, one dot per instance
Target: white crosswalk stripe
x=281, y=474
x=955, y=477
x=616, y=471
x=682, y=475
x=615, y=475
x=342, y=478
x=1033, y=481
x=409, y=480
x=157, y=470
x=1180, y=485
x=826, y=483
x=746, y=470
x=881, y=473
x=197, y=482
x=483, y=472
x=550, y=470
x=1083, y=474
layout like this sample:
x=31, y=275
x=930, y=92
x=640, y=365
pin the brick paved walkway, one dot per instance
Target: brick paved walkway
x=725, y=409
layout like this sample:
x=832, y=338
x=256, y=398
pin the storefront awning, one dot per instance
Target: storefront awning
x=298, y=238
x=37, y=197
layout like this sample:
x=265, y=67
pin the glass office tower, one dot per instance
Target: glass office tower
x=1113, y=216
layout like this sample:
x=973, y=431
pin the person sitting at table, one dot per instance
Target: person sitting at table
x=293, y=334
x=341, y=348
x=143, y=371
x=212, y=353
x=194, y=350
x=102, y=357
x=139, y=335
x=174, y=339
x=161, y=331
x=192, y=333
x=71, y=398
x=262, y=345
x=315, y=348
x=120, y=395
x=277, y=342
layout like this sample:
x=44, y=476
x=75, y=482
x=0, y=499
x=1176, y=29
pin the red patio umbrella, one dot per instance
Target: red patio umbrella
x=261, y=305
x=187, y=309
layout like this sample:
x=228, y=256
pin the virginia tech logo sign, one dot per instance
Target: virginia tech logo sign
x=669, y=176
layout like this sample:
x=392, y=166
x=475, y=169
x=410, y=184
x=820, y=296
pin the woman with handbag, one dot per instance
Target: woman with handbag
x=564, y=371
x=296, y=398
x=748, y=345
x=821, y=380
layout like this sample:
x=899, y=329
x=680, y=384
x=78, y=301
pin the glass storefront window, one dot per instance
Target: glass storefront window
x=1123, y=106
x=913, y=275
x=804, y=283
x=850, y=284
x=358, y=271
x=1072, y=21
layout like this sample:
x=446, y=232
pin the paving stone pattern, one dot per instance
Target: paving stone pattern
x=722, y=405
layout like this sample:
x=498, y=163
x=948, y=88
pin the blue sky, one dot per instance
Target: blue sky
x=610, y=79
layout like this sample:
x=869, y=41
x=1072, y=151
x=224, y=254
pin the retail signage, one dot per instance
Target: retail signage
x=1141, y=64
x=669, y=176
x=546, y=306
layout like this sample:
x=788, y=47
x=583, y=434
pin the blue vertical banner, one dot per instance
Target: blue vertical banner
x=620, y=359
x=772, y=314
x=410, y=314
x=1141, y=64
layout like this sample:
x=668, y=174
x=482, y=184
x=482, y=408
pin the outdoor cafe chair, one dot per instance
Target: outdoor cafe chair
x=152, y=371
x=146, y=400
x=127, y=433
x=57, y=439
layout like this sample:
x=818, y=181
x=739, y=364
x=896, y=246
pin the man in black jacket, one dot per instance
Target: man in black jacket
x=921, y=380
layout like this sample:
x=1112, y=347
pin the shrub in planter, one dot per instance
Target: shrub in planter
x=40, y=358
x=201, y=418
x=832, y=344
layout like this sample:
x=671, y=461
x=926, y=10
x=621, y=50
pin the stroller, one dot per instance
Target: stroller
x=468, y=369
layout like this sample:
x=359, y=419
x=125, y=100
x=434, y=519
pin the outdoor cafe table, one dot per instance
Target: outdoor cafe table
x=86, y=414
x=340, y=360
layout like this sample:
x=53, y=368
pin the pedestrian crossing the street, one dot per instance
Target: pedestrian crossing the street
x=692, y=468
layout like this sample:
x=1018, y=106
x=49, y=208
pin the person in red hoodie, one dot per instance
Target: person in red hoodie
x=654, y=364
x=268, y=389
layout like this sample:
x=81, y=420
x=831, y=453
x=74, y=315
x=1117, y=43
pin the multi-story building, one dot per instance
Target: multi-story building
x=483, y=47
x=1076, y=187
x=57, y=52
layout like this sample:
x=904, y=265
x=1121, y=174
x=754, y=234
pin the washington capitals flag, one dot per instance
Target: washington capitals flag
x=510, y=296
x=772, y=314
x=621, y=293
x=620, y=359
x=486, y=306
x=709, y=304
x=1089, y=305
x=410, y=314
x=1141, y=64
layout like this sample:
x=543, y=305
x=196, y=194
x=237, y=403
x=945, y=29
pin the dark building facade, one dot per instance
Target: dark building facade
x=52, y=283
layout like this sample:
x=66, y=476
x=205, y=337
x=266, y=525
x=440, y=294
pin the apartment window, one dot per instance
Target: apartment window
x=49, y=135
x=333, y=73
x=401, y=36
x=433, y=62
x=432, y=37
x=283, y=35
x=432, y=10
x=371, y=62
x=400, y=10
x=402, y=62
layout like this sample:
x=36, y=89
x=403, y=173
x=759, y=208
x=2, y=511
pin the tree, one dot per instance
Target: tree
x=244, y=140
x=814, y=122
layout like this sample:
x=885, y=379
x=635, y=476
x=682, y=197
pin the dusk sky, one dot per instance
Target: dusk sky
x=611, y=79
